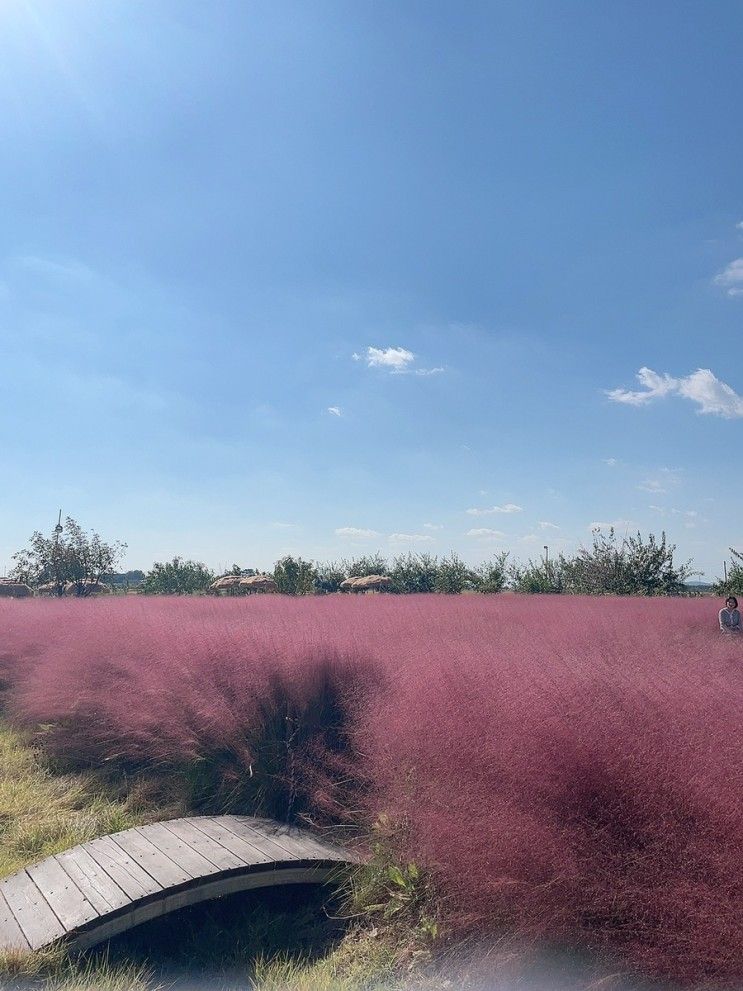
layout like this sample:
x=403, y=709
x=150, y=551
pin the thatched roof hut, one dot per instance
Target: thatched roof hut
x=10, y=589
x=258, y=583
x=225, y=584
x=367, y=583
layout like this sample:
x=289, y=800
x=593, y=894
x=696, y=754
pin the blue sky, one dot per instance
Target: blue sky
x=323, y=277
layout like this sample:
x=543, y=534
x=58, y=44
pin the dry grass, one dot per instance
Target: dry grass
x=42, y=813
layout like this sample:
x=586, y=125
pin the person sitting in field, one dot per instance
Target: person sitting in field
x=729, y=616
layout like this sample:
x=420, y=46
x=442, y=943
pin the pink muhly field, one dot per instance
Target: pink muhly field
x=567, y=770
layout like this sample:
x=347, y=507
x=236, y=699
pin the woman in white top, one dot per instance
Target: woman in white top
x=729, y=616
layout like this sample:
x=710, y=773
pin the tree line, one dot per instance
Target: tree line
x=72, y=561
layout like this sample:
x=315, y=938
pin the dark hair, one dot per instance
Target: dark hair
x=731, y=598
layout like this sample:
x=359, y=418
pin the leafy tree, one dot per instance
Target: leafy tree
x=454, y=576
x=70, y=557
x=492, y=575
x=372, y=564
x=329, y=575
x=414, y=573
x=539, y=577
x=177, y=577
x=633, y=566
x=294, y=576
x=733, y=585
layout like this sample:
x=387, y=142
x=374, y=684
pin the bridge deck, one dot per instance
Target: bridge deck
x=98, y=889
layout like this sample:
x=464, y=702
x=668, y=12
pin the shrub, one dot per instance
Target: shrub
x=329, y=576
x=631, y=567
x=293, y=576
x=411, y=573
x=177, y=577
x=492, y=575
x=733, y=583
x=539, y=577
x=454, y=576
x=370, y=564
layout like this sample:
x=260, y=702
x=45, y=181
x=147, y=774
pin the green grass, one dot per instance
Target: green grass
x=43, y=813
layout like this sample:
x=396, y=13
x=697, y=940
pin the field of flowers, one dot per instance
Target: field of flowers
x=565, y=769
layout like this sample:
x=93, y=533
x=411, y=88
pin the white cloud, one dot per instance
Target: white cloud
x=731, y=277
x=655, y=385
x=739, y=225
x=397, y=361
x=285, y=526
x=544, y=525
x=334, y=410
x=355, y=531
x=712, y=395
x=485, y=532
x=394, y=360
x=411, y=538
x=509, y=507
x=433, y=526
x=653, y=485
x=609, y=461
x=701, y=387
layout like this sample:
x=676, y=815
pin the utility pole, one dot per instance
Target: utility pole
x=546, y=555
x=725, y=570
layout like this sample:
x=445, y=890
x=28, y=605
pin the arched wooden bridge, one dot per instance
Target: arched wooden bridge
x=102, y=888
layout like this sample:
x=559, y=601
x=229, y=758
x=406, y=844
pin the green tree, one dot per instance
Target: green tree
x=177, y=577
x=491, y=576
x=371, y=564
x=733, y=584
x=71, y=560
x=538, y=577
x=294, y=576
x=632, y=566
x=414, y=573
x=329, y=575
x=454, y=576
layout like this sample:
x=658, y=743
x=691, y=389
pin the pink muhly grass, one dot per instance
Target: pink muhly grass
x=567, y=770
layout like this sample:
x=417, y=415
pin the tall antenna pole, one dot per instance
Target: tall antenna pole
x=55, y=557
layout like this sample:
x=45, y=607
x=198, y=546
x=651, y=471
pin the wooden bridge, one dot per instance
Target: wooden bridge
x=102, y=888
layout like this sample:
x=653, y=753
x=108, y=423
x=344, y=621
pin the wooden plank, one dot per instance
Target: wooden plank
x=157, y=864
x=67, y=902
x=121, y=868
x=32, y=912
x=217, y=831
x=178, y=850
x=274, y=851
x=292, y=843
x=97, y=886
x=222, y=858
x=11, y=934
x=330, y=850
